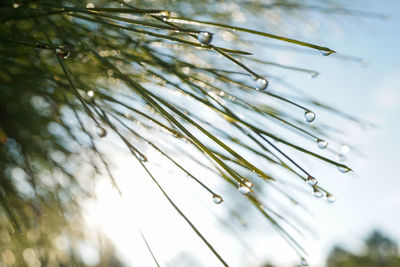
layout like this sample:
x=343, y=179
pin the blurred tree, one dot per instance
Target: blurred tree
x=145, y=74
x=379, y=251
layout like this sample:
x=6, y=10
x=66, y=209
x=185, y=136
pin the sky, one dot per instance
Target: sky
x=367, y=199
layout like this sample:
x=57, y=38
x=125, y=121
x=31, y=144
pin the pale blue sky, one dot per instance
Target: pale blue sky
x=369, y=198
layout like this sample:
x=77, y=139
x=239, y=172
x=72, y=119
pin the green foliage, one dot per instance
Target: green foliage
x=379, y=250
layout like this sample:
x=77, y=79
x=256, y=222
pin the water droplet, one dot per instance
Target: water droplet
x=102, y=132
x=326, y=53
x=204, y=37
x=261, y=84
x=176, y=134
x=311, y=181
x=217, y=199
x=343, y=169
x=63, y=52
x=313, y=74
x=141, y=157
x=303, y=262
x=90, y=93
x=345, y=149
x=243, y=189
x=317, y=193
x=249, y=184
x=165, y=13
x=330, y=198
x=309, y=116
x=322, y=144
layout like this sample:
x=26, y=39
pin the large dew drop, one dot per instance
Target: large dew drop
x=243, y=189
x=322, y=144
x=309, y=116
x=343, y=169
x=204, y=37
x=311, y=181
x=217, y=199
x=261, y=84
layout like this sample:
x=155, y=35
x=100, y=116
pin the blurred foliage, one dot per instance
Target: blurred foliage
x=379, y=251
x=73, y=73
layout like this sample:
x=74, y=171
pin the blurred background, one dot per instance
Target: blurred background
x=361, y=228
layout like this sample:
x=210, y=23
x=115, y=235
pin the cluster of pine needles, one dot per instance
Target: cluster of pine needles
x=72, y=74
